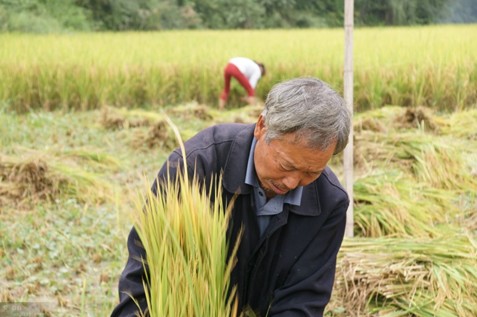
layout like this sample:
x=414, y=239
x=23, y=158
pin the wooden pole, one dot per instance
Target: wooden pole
x=348, y=96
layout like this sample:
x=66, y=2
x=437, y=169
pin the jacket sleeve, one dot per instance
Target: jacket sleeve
x=308, y=287
x=132, y=298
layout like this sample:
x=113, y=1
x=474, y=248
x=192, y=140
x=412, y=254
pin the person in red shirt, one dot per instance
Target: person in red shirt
x=247, y=72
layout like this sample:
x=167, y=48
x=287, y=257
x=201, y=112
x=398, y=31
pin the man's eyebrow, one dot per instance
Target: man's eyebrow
x=285, y=162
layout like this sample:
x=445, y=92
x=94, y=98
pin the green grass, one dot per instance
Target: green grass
x=68, y=251
x=60, y=253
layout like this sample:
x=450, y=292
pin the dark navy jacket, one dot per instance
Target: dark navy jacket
x=289, y=271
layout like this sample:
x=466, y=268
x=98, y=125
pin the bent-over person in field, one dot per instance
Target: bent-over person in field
x=247, y=72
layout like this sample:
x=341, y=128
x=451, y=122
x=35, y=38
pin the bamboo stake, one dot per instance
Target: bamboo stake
x=348, y=96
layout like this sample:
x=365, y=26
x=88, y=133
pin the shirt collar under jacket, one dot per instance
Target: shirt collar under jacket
x=275, y=205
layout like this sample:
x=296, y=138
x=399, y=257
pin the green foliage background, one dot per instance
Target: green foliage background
x=46, y=16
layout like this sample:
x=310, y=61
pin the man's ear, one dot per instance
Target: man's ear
x=260, y=128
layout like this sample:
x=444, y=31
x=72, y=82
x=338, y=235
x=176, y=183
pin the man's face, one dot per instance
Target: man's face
x=286, y=163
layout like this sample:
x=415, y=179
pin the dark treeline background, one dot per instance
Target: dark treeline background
x=43, y=16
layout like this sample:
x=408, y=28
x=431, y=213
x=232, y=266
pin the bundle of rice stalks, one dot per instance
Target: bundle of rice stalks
x=378, y=120
x=370, y=152
x=418, y=117
x=191, y=111
x=81, y=184
x=391, y=118
x=159, y=135
x=398, y=277
x=89, y=158
x=391, y=204
x=183, y=231
x=27, y=178
x=467, y=218
x=434, y=160
x=185, y=241
x=246, y=114
x=122, y=118
x=462, y=125
x=40, y=175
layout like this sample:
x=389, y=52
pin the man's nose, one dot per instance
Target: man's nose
x=291, y=181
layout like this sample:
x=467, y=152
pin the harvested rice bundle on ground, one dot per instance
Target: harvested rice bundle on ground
x=393, y=204
x=467, y=218
x=245, y=114
x=89, y=158
x=371, y=152
x=157, y=136
x=418, y=117
x=27, y=178
x=378, y=120
x=191, y=111
x=123, y=118
x=36, y=175
x=391, y=118
x=435, y=160
x=390, y=277
x=462, y=124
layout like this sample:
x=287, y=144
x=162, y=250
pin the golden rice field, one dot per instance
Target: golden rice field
x=431, y=66
x=69, y=180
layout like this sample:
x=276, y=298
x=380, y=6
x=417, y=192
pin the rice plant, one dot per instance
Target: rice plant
x=184, y=236
x=431, y=66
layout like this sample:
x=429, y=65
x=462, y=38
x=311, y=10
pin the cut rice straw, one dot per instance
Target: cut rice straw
x=407, y=277
x=184, y=237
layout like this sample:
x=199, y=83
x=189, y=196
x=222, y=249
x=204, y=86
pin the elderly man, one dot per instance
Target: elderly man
x=290, y=205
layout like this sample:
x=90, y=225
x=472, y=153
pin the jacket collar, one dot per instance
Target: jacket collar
x=236, y=165
x=310, y=202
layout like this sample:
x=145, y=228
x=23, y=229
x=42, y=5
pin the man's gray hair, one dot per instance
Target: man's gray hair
x=311, y=109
